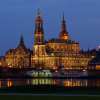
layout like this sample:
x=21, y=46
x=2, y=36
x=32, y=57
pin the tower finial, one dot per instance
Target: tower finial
x=39, y=32
x=63, y=17
x=38, y=12
x=21, y=42
x=38, y=17
x=21, y=39
x=63, y=27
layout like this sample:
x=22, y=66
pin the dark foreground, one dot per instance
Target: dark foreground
x=47, y=97
x=45, y=92
x=46, y=89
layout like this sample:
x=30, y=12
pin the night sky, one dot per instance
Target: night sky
x=17, y=17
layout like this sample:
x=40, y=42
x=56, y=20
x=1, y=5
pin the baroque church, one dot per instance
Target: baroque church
x=60, y=52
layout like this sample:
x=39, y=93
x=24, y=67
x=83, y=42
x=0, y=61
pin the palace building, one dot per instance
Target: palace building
x=56, y=53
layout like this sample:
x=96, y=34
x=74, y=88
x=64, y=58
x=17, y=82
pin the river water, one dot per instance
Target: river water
x=48, y=81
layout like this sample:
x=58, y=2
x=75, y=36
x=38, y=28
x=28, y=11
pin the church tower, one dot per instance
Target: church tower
x=39, y=32
x=39, y=42
x=64, y=33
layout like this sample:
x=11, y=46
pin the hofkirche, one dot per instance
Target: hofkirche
x=48, y=54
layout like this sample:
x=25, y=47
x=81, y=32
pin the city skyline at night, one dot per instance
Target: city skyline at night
x=17, y=17
x=57, y=53
x=49, y=48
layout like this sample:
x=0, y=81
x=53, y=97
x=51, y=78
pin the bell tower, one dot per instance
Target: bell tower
x=39, y=32
x=64, y=33
x=39, y=43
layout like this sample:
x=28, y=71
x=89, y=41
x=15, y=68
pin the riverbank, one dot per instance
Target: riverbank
x=49, y=93
x=50, y=89
x=47, y=97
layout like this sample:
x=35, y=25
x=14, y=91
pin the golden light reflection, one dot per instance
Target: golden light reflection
x=0, y=83
x=75, y=83
x=0, y=64
x=43, y=82
x=9, y=83
x=97, y=67
x=71, y=83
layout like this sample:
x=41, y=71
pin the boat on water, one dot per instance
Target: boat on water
x=56, y=73
x=39, y=73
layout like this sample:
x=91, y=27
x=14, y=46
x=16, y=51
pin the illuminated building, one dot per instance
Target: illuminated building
x=95, y=62
x=54, y=53
x=2, y=61
x=18, y=57
x=61, y=52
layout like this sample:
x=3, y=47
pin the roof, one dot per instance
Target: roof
x=62, y=41
x=21, y=46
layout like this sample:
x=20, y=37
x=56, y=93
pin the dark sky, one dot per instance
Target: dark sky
x=17, y=17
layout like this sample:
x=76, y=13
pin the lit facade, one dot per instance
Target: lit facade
x=18, y=57
x=61, y=52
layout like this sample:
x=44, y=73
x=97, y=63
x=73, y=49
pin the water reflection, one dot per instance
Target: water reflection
x=75, y=83
x=9, y=83
x=6, y=83
x=55, y=82
x=43, y=82
x=0, y=83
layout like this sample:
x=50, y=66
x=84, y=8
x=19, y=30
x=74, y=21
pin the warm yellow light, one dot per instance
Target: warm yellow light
x=65, y=37
x=0, y=63
x=97, y=67
x=9, y=83
x=0, y=83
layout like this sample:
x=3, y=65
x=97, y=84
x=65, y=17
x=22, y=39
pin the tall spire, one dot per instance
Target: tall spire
x=39, y=32
x=38, y=12
x=64, y=33
x=63, y=27
x=38, y=18
x=63, y=17
x=21, y=42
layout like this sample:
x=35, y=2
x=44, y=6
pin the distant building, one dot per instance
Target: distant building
x=2, y=61
x=61, y=52
x=95, y=62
